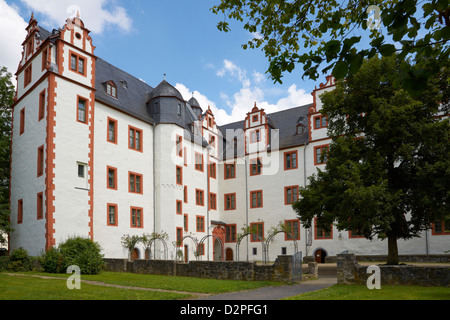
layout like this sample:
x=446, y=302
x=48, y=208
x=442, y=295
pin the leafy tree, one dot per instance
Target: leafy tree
x=294, y=32
x=388, y=168
x=6, y=99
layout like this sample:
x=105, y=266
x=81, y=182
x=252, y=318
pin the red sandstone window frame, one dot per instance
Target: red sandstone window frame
x=41, y=112
x=212, y=170
x=255, y=136
x=112, y=132
x=289, y=199
x=296, y=233
x=319, y=122
x=229, y=171
x=441, y=231
x=256, y=205
x=259, y=231
x=22, y=122
x=114, y=171
x=133, y=187
x=200, y=197
x=256, y=166
x=28, y=75
x=179, y=175
x=212, y=201
x=179, y=145
x=200, y=223
x=290, y=165
x=322, y=235
x=133, y=139
x=78, y=57
x=198, y=164
x=20, y=211
x=201, y=249
x=185, y=194
x=179, y=235
x=40, y=161
x=40, y=206
x=317, y=158
x=44, y=59
x=230, y=233
x=186, y=222
x=229, y=201
x=139, y=218
x=108, y=220
x=85, y=102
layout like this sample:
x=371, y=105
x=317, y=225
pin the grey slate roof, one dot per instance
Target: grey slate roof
x=131, y=100
x=285, y=121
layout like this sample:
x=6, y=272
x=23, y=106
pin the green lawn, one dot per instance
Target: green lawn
x=31, y=288
x=360, y=292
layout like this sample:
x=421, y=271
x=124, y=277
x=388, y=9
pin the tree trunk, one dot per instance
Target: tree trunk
x=392, y=250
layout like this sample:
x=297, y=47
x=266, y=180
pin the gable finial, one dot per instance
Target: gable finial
x=78, y=14
x=164, y=76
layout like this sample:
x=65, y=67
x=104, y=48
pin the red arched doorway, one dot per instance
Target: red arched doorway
x=320, y=255
x=135, y=254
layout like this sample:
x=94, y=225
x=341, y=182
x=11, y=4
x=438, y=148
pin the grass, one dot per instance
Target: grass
x=360, y=292
x=31, y=288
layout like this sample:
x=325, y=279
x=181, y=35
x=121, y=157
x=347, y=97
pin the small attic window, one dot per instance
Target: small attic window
x=111, y=89
x=300, y=129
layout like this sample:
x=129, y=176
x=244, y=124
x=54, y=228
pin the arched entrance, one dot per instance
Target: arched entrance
x=219, y=240
x=229, y=254
x=320, y=255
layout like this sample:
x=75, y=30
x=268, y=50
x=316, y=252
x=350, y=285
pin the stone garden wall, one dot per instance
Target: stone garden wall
x=280, y=271
x=350, y=271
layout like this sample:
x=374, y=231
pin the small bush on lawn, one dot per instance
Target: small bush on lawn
x=18, y=260
x=78, y=251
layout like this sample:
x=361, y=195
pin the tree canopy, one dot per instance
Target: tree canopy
x=6, y=99
x=388, y=169
x=336, y=36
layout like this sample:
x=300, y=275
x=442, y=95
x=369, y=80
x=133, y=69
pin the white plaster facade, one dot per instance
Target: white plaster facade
x=74, y=205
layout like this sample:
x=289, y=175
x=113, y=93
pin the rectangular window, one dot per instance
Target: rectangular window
x=179, y=145
x=230, y=233
x=40, y=161
x=185, y=222
x=112, y=214
x=440, y=228
x=201, y=249
x=81, y=170
x=30, y=47
x=112, y=131
x=212, y=201
x=136, y=217
x=321, y=233
x=255, y=136
x=292, y=230
x=255, y=167
x=199, y=200
x=77, y=63
x=179, y=173
x=40, y=206
x=257, y=230
x=44, y=59
x=320, y=122
x=290, y=160
x=256, y=199
x=290, y=195
x=135, y=183
x=230, y=170
x=27, y=76
x=321, y=154
x=112, y=178
x=82, y=110
x=179, y=237
x=199, y=161
x=135, y=138
x=20, y=211
x=179, y=207
x=200, y=224
x=230, y=201
x=41, y=105
x=212, y=170
x=354, y=234
x=185, y=194
x=22, y=121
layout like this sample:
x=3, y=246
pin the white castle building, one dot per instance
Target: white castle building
x=98, y=153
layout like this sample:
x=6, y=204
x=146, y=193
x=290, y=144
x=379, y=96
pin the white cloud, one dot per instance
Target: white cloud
x=241, y=102
x=11, y=37
x=98, y=15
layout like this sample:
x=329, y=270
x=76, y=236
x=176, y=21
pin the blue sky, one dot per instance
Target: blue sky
x=178, y=38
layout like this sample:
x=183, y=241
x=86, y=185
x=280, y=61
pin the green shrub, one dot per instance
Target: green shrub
x=17, y=261
x=78, y=251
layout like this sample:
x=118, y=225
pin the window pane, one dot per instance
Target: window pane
x=111, y=178
x=112, y=131
x=81, y=65
x=132, y=183
x=73, y=62
x=112, y=215
x=131, y=138
x=138, y=140
x=138, y=184
x=82, y=110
